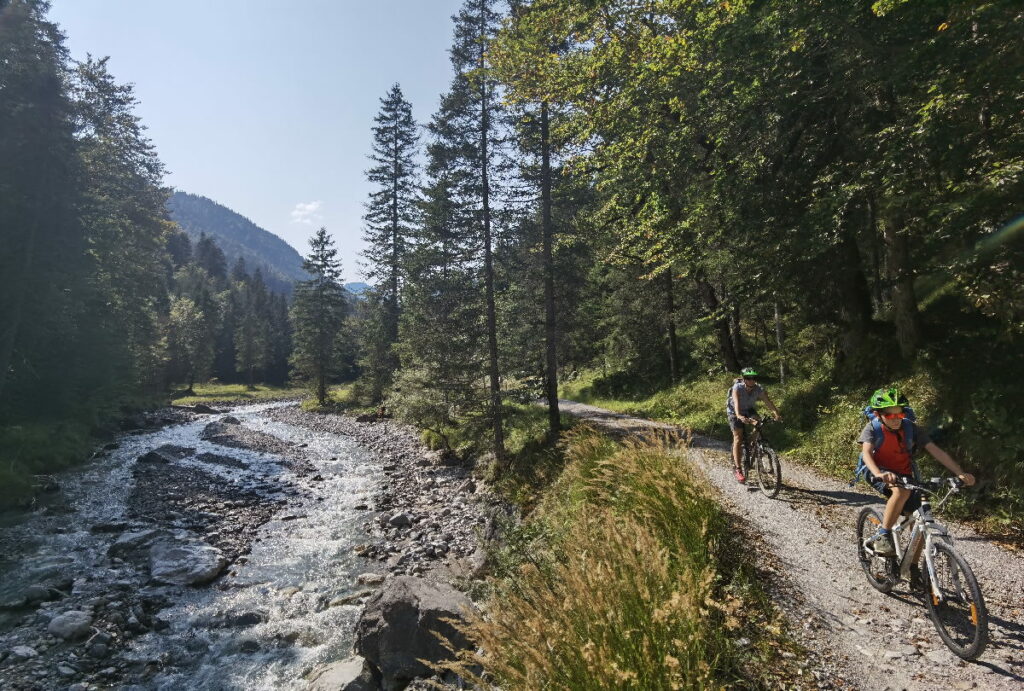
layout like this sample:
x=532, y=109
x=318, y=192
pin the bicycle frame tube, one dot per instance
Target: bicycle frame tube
x=922, y=536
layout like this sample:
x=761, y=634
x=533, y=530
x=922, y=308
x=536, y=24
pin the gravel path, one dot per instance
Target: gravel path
x=860, y=636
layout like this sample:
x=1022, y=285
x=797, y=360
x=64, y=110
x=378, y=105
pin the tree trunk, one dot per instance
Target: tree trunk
x=492, y=326
x=900, y=277
x=721, y=325
x=393, y=300
x=9, y=334
x=853, y=296
x=670, y=312
x=736, y=333
x=550, y=325
x=779, y=344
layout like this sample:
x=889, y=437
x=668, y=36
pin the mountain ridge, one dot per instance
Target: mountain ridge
x=237, y=236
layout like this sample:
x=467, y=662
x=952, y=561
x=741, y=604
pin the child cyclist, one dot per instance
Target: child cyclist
x=888, y=443
x=740, y=407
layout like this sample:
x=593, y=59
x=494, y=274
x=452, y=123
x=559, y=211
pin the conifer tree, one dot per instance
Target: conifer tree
x=41, y=262
x=210, y=257
x=390, y=215
x=252, y=327
x=475, y=89
x=318, y=316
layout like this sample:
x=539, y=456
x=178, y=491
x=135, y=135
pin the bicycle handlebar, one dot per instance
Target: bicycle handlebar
x=932, y=485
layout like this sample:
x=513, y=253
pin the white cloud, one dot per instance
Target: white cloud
x=307, y=213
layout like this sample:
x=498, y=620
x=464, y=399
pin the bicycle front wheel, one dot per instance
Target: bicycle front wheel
x=881, y=571
x=958, y=612
x=769, y=471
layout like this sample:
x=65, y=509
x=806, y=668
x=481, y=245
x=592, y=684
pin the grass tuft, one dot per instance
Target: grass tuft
x=626, y=576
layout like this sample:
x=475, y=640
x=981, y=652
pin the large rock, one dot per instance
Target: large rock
x=185, y=563
x=134, y=544
x=396, y=629
x=351, y=674
x=70, y=625
x=166, y=454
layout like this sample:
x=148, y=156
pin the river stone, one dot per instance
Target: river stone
x=24, y=652
x=230, y=420
x=398, y=625
x=185, y=563
x=131, y=544
x=351, y=674
x=370, y=578
x=70, y=625
x=400, y=520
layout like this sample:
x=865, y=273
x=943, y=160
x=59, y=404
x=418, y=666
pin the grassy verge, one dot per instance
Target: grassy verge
x=627, y=575
x=238, y=393
x=822, y=423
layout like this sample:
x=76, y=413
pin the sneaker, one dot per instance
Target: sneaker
x=882, y=545
x=740, y=477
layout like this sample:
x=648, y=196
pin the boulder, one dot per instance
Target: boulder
x=185, y=563
x=203, y=409
x=166, y=454
x=70, y=625
x=230, y=420
x=398, y=625
x=351, y=674
x=23, y=652
x=133, y=544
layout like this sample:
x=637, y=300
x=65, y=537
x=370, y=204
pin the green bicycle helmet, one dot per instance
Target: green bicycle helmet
x=887, y=398
x=749, y=372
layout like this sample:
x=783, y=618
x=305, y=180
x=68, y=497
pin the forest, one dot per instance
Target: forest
x=625, y=201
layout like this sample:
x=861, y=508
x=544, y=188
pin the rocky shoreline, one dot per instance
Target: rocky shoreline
x=185, y=527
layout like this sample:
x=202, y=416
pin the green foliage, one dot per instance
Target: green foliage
x=627, y=572
x=318, y=317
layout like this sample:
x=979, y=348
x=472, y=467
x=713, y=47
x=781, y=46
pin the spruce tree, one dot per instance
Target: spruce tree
x=252, y=326
x=318, y=316
x=42, y=261
x=476, y=89
x=390, y=215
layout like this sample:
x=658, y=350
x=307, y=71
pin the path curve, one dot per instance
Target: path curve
x=870, y=640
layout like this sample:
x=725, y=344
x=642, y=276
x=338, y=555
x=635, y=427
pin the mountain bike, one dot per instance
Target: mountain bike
x=925, y=556
x=757, y=453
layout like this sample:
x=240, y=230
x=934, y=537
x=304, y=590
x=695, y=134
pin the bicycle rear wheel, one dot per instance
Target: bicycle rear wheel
x=959, y=616
x=881, y=571
x=769, y=471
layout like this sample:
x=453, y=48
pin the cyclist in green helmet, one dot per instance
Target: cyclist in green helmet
x=740, y=408
x=888, y=442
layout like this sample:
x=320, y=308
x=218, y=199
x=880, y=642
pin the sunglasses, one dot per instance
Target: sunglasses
x=893, y=416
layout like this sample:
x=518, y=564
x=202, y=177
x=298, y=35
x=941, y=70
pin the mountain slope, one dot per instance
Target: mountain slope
x=238, y=237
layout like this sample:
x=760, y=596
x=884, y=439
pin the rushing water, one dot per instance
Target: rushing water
x=267, y=622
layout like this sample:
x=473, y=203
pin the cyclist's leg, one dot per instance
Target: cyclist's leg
x=737, y=441
x=896, y=500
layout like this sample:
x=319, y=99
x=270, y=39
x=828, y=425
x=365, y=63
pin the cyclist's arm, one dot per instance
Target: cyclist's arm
x=947, y=460
x=868, y=451
x=768, y=402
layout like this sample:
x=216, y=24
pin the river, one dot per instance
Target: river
x=287, y=521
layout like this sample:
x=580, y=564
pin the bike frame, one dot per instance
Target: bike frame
x=925, y=531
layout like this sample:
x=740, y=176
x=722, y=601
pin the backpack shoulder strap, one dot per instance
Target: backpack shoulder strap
x=876, y=433
x=908, y=435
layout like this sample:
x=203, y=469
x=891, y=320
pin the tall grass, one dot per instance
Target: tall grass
x=628, y=578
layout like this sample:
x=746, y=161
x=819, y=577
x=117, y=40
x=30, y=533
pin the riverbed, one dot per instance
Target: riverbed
x=306, y=513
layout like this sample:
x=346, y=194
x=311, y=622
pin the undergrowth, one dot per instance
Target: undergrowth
x=627, y=575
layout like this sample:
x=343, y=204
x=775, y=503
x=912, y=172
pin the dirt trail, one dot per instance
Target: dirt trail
x=860, y=636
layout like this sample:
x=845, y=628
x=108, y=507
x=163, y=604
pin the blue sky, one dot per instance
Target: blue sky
x=266, y=105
